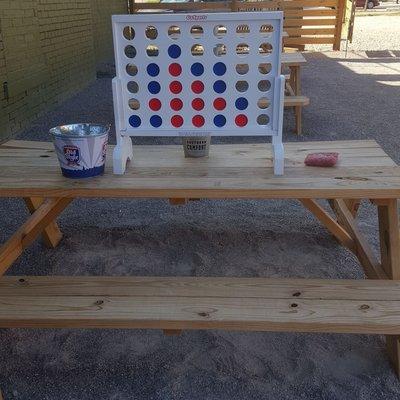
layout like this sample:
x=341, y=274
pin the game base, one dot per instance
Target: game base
x=122, y=153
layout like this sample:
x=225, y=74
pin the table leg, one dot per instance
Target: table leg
x=390, y=258
x=46, y=213
x=51, y=234
x=353, y=205
x=297, y=91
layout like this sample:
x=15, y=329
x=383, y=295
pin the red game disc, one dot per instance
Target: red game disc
x=177, y=121
x=197, y=87
x=175, y=69
x=175, y=87
x=241, y=120
x=154, y=104
x=198, y=104
x=219, y=103
x=176, y=104
x=198, y=121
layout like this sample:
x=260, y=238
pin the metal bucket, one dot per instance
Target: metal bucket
x=81, y=149
x=196, y=146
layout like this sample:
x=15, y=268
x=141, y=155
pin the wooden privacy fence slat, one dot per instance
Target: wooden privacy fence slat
x=309, y=22
x=297, y=13
x=310, y=31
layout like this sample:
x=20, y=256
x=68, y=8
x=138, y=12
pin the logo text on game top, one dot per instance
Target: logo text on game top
x=194, y=133
x=196, y=17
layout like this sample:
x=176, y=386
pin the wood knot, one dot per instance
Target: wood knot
x=364, y=307
x=294, y=305
x=296, y=294
x=203, y=314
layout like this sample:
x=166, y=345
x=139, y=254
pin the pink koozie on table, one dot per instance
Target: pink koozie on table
x=321, y=159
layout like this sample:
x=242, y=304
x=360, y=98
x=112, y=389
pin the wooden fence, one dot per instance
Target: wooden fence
x=306, y=21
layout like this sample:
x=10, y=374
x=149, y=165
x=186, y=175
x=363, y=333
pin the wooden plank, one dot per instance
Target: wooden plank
x=288, y=4
x=51, y=234
x=309, y=40
x=310, y=31
x=197, y=303
x=292, y=101
x=320, y=12
x=333, y=227
x=388, y=217
x=363, y=251
x=353, y=205
x=172, y=332
x=232, y=171
x=309, y=22
x=29, y=231
x=293, y=59
x=225, y=287
x=339, y=24
x=389, y=238
x=178, y=201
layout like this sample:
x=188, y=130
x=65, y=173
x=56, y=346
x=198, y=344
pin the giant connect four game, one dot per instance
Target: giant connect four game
x=196, y=75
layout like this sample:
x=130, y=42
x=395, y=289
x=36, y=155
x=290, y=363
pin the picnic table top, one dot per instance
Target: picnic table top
x=29, y=168
x=293, y=59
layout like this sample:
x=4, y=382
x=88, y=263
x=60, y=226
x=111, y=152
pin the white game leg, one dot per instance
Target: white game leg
x=278, y=157
x=122, y=153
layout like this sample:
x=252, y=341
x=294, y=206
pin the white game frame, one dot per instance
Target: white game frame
x=275, y=94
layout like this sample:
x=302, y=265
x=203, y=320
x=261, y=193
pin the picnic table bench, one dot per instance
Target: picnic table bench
x=29, y=170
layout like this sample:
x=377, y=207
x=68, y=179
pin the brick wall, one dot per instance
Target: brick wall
x=49, y=50
x=101, y=11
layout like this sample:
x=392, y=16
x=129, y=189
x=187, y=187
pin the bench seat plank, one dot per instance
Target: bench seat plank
x=253, y=304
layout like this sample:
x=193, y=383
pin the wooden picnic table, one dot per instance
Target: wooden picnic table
x=294, y=61
x=29, y=170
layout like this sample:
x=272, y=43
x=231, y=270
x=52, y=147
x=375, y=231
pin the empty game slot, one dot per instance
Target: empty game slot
x=131, y=69
x=130, y=51
x=219, y=50
x=242, y=69
x=265, y=49
x=151, y=32
x=220, y=31
x=152, y=50
x=174, y=32
x=242, y=30
x=128, y=33
x=242, y=49
x=197, y=31
x=197, y=50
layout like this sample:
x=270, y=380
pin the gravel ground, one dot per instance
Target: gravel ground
x=351, y=98
x=378, y=32
x=372, y=32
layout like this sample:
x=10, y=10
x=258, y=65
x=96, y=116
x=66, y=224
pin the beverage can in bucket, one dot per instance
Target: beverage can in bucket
x=81, y=149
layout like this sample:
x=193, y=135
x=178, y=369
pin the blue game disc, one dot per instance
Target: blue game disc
x=154, y=87
x=156, y=121
x=219, y=86
x=197, y=69
x=219, y=68
x=153, y=69
x=174, y=51
x=219, y=120
x=241, y=103
x=135, y=121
